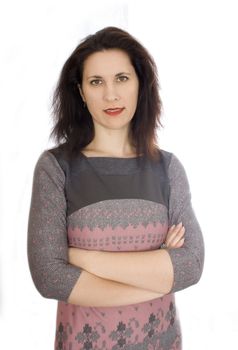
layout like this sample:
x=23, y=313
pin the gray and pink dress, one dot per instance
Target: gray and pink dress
x=110, y=204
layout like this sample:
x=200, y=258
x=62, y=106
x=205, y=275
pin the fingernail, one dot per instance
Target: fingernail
x=180, y=224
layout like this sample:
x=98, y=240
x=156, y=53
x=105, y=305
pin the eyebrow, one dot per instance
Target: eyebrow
x=99, y=77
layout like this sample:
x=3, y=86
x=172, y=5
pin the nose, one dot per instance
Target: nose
x=111, y=93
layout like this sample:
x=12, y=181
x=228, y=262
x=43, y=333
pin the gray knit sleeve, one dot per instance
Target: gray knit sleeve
x=189, y=259
x=47, y=245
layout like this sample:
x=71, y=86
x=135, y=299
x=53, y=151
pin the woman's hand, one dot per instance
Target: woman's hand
x=175, y=237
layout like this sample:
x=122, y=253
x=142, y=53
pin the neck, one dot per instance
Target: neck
x=112, y=142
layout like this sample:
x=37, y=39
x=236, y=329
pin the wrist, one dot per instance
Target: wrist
x=82, y=258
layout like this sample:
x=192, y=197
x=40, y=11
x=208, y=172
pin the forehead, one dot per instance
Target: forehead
x=107, y=62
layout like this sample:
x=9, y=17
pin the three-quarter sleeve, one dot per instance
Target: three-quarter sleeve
x=47, y=245
x=188, y=260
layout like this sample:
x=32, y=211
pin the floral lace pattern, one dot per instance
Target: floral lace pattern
x=117, y=225
x=118, y=212
x=160, y=330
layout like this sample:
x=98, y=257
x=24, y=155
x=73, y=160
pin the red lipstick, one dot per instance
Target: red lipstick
x=113, y=111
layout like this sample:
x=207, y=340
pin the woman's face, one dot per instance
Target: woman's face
x=110, y=89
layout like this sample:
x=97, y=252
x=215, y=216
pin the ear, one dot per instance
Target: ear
x=81, y=92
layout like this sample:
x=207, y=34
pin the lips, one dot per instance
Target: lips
x=114, y=111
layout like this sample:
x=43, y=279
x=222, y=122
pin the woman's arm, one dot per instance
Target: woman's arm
x=138, y=269
x=103, y=264
x=47, y=248
x=187, y=261
x=160, y=270
x=91, y=290
x=47, y=245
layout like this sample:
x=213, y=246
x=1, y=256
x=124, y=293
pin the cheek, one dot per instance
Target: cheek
x=132, y=95
x=93, y=101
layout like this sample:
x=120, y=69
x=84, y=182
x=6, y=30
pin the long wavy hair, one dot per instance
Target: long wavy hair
x=73, y=125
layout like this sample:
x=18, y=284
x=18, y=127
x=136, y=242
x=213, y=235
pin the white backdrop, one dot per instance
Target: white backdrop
x=194, y=44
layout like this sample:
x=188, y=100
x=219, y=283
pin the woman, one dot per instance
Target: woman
x=112, y=234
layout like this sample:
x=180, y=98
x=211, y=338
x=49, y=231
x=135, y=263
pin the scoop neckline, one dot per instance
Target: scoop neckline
x=109, y=157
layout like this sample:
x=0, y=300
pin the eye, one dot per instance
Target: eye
x=96, y=82
x=123, y=78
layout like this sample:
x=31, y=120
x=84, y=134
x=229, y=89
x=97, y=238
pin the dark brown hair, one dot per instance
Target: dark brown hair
x=72, y=121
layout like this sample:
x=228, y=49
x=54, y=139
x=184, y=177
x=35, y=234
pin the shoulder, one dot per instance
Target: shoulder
x=49, y=162
x=58, y=155
x=59, y=152
x=173, y=164
x=165, y=157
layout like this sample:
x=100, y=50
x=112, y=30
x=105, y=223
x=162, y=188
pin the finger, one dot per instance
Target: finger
x=175, y=236
x=172, y=231
x=175, y=228
x=180, y=243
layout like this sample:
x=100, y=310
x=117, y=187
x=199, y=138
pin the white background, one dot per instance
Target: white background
x=194, y=44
